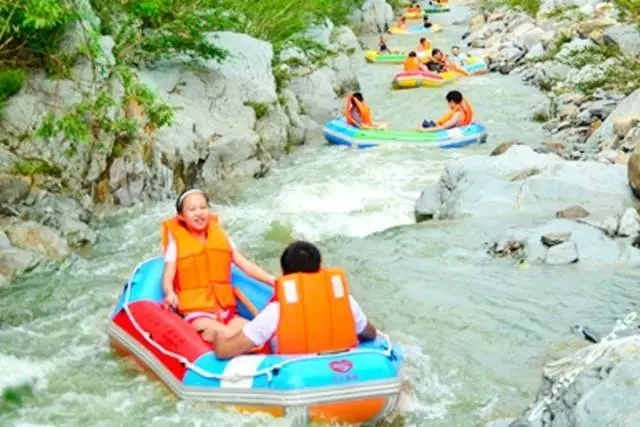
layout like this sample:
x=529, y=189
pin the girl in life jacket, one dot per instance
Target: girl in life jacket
x=460, y=114
x=312, y=311
x=358, y=114
x=197, y=270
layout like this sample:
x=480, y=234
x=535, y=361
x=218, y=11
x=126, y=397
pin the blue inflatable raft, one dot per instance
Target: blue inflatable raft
x=361, y=385
x=338, y=132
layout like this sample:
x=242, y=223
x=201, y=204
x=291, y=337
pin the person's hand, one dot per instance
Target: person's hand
x=171, y=300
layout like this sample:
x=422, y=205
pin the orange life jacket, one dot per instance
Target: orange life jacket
x=424, y=46
x=412, y=64
x=363, y=110
x=414, y=9
x=315, y=313
x=464, y=108
x=203, y=270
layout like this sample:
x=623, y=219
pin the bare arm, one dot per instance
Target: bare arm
x=369, y=333
x=168, y=276
x=251, y=268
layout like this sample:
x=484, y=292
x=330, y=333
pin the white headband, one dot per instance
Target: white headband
x=188, y=193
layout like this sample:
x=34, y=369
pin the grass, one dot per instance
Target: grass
x=11, y=82
x=259, y=108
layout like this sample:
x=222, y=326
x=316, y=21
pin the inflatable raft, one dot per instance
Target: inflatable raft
x=414, y=14
x=418, y=29
x=414, y=79
x=357, y=386
x=390, y=58
x=338, y=132
x=473, y=66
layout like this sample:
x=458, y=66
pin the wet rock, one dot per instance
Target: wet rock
x=502, y=148
x=14, y=261
x=563, y=253
x=587, y=242
x=37, y=238
x=555, y=238
x=428, y=203
x=595, y=386
x=572, y=212
x=521, y=180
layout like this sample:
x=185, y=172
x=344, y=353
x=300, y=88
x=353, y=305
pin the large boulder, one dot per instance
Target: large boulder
x=377, y=16
x=222, y=107
x=523, y=181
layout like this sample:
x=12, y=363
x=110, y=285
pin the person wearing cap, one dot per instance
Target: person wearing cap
x=198, y=257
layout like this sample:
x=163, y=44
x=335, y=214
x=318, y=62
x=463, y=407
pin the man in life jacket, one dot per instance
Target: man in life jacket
x=460, y=114
x=414, y=8
x=197, y=267
x=358, y=114
x=312, y=311
x=437, y=62
x=412, y=63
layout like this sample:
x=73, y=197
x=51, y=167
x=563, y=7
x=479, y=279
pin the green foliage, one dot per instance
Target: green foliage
x=629, y=9
x=592, y=55
x=529, y=6
x=11, y=81
x=31, y=167
x=260, y=109
x=31, y=30
x=143, y=31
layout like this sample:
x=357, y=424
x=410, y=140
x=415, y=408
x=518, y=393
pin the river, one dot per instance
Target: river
x=476, y=330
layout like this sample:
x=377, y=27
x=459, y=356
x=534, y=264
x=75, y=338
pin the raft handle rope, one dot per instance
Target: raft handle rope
x=268, y=372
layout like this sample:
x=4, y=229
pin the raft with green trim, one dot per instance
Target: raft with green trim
x=338, y=132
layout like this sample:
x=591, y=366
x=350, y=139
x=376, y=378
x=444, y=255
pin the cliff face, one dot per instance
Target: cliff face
x=233, y=119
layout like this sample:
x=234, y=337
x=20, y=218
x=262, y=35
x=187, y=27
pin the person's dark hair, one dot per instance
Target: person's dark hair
x=454, y=96
x=182, y=196
x=423, y=40
x=412, y=54
x=358, y=96
x=300, y=257
x=435, y=51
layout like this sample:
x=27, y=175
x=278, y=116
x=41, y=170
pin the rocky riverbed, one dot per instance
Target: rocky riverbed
x=233, y=121
x=580, y=186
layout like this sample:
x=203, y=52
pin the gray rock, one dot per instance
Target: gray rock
x=555, y=238
x=521, y=180
x=563, y=253
x=629, y=223
x=377, y=16
x=626, y=36
x=536, y=51
x=594, y=387
x=629, y=105
x=573, y=47
x=37, y=238
x=428, y=204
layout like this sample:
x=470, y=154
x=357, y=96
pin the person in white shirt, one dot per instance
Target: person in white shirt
x=298, y=258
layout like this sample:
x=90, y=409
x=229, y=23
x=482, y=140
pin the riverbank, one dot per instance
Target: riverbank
x=578, y=185
x=101, y=121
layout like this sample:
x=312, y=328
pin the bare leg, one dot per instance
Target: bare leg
x=208, y=328
x=236, y=324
